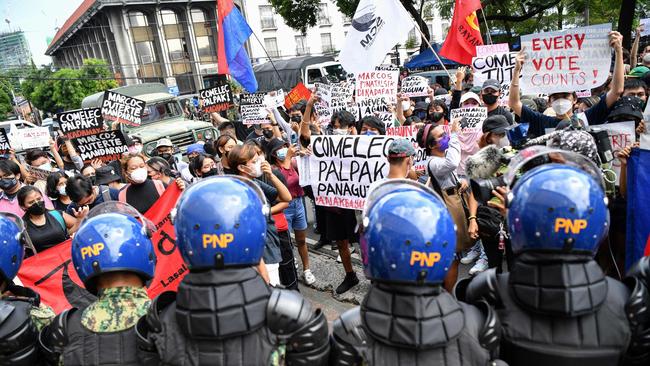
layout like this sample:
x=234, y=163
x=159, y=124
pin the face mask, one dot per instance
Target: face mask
x=93, y=179
x=166, y=156
x=296, y=118
x=37, y=209
x=503, y=142
x=437, y=116
x=490, y=99
x=139, y=175
x=421, y=115
x=211, y=172
x=443, y=143
x=257, y=169
x=370, y=133
x=561, y=106
x=61, y=190
x=406, y=105
x=340, y=131
x=7, y=183
x=282, y=153
x=135, y=149
x=268, y=134
x=46, y=167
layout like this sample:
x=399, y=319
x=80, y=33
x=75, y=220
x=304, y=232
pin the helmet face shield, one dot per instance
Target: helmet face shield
x=22, y=229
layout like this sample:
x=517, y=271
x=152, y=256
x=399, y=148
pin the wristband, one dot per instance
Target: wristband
x=471, y=218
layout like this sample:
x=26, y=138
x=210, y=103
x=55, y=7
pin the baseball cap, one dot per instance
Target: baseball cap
x=626, y=108
x=105, y=175
x=638, y=71
x=195, y=148
x=164, y=142
x=400, y=148
x=469, y=95
x=441, y=91
x=495, y=124
x=421, y=106
x=491, y=84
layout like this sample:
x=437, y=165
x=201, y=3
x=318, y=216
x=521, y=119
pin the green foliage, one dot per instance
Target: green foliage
x=65, y=89
x=298, y=15
x=5, y=98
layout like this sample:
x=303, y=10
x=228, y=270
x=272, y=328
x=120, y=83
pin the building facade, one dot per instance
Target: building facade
x=174, y=41
x=14, y=50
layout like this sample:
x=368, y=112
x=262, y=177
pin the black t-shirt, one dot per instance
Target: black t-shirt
x=47, y=235
x=500, y=110
x=59, y=206
x=142, y=196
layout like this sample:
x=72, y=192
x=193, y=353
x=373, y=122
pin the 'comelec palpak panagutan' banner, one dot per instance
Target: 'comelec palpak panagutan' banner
x=52, y=274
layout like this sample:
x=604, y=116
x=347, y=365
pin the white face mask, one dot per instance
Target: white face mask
x=561, y=106
x=340, y=131
x=257, y=168
x=503, y=142
x=46, y=167
x=406, y=105
x=139, y=175
x=61, y=190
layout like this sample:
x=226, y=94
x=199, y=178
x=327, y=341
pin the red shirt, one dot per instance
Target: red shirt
x=293, y=181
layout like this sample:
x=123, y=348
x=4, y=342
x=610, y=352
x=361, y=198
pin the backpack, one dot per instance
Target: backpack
x=59, y=218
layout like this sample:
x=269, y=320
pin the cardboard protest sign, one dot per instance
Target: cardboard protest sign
x=105, y=146
x=123, y=109
x=497, y=66
x=52, y=275
x=274, y=98
x=252, y=109
x=81, y=122
x=342, y=168
x=322, y=107
x=566, y=60
x=37, y=173
x=621, y=135
x=387, y=67
x=645, y=22
x=472, y=117
x=376, y=84
x=33, y=137
x=4, y=142
x=298, y=93
x=410, y=132
x=415, y=86
x=491, y=49
x=372, y=107
x=583, y=93
x=218, y=98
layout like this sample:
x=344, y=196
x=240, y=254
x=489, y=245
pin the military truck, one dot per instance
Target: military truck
x=163, y=117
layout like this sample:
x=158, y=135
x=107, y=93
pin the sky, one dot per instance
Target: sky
x=38, y=19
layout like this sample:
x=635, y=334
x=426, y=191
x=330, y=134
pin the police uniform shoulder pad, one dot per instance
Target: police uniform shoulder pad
x=287, y=311
x=638, y=315
x=483, y=286
x=641, y=270
x=25, y=292
x=348, y=335
x=489, y=334
x=156, y=308
x=54, y=337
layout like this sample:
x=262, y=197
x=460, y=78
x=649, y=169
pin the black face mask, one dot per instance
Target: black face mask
x=7, y=183
x=421, y=115
x=490, y=99
x=93, y=179
x=436, y=116
x=36, y=209
x=296, y=118
x=166, y=156
x=268, y=134
x=210, y=173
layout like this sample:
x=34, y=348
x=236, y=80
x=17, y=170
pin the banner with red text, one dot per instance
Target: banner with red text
x=52, y=275
x=566, y=61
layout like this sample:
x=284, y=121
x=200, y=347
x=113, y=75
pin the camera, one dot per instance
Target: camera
x=482, y=188
x=604, y=145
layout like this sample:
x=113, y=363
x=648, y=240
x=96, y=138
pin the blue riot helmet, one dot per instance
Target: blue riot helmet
x=13, y=239
x=558, y=207
x=221, y=222
x=408, y=235
x=114, y=237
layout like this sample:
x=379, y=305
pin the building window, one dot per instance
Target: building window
x=142, y=36
x=301, y=48
x=431, y=36
x=271, y=45
x=207, y=49
x=175, y=41
x=323, y=15
x=326, y=42
x=266, y=17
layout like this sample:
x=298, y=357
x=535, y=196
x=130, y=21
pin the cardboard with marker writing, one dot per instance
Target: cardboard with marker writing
x=105, y=146
x=120, y=108
x=81, y=122
x=218, y=98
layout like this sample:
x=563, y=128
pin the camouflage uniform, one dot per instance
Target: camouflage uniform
x=41, y=315
x=116, y=309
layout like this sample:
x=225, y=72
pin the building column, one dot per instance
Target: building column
x=128, y=61
x=195, y=61
x=160, y=36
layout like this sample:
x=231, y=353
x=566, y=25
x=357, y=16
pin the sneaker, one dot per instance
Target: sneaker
x=349, y=281
x=321, y=243
x=470, y=256
x=480, y=266
x=309, y=277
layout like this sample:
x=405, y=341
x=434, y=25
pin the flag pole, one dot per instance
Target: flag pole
x=269, y=57
x=489, y=36
x=431, y=48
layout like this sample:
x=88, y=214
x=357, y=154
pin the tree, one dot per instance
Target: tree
x=298, y=15
x=5, y=98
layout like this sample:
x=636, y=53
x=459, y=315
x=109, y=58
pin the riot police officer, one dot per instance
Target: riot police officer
x=224, y=313
x=556, y=305
x=114, y=258
x=407, y=317
x=21, y=312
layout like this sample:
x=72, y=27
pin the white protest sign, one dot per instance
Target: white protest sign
x=33, y=137
x=274, y=99
x=415, y=86
x=567, y=60
x=322, y=107
x=4, y=142
x=302, y=162
x=372, y=107
x=376, y=84
x=341, y=99
x=491, y=49
x=497, y=66
x=583, y=93
x=252, y=109
x=621, y=135
x=410, y=132
x=343, y=167
x=645, y=141
x=472, y=117
x=645, y=22
x=387, y=67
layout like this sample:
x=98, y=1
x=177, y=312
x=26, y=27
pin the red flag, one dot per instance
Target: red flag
x=464, y=33
x=51, y=274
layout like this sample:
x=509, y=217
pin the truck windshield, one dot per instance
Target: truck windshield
x=159, y=111
x=335, y=73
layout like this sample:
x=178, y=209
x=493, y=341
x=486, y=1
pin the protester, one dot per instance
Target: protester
x=85, y=195
x=223, y=146
x=117, y=274
x=634, y=87
x=89, y=172
x=71, y=161
x=203, y=166
x=562, y=102
x=281, y=156
x=46, y=228
x=165, y=150
x=158, y=169
x=24, y=313
x=584, y=103
x=10, y=184
x=438, y=112
x=106, y=176
x=195, y=150
x=56, y=183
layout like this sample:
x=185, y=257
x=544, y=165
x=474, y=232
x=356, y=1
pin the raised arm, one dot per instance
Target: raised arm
x=618, y=77
x=514, y=100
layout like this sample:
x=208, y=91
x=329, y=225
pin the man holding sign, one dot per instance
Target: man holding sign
x=546, y=48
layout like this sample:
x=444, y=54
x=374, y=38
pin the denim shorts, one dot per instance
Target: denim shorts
x=295, y=214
